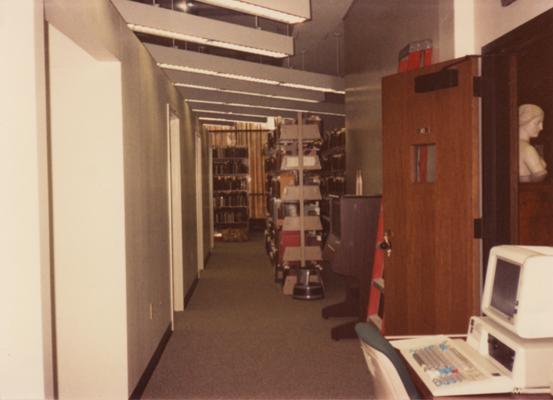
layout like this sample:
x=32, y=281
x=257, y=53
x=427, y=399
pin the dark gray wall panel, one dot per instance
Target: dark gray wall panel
x=374, y=32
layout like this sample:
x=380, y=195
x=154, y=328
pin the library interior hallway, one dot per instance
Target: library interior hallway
x=241, y=338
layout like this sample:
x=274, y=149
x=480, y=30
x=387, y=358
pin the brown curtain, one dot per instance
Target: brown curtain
x=254, y=138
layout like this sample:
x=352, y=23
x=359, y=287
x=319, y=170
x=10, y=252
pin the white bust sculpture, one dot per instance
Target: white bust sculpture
x=531, y=166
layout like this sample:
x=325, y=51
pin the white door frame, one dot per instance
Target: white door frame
x=175, y=212
x=199, y=203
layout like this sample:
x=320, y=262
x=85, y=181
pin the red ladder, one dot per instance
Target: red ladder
x=376, y=294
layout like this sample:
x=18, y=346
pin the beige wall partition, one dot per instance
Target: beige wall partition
x=26, y=362
x=88, y=221
x=188, y=166
x=139, y=260
x=374, y=33
x=490, y=20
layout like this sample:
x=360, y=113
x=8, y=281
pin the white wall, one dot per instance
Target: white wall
x=96, y=27
x=464, y=27
x=478, y=22
x=26, y=364
x=88, y=221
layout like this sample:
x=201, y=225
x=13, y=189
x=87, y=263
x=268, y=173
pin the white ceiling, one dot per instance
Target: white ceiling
x=318, y=46
x=317, y=37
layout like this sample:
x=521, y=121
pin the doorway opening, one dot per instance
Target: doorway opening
x=175, y=211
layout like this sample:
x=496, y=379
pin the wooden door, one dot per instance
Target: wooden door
x=433, y=273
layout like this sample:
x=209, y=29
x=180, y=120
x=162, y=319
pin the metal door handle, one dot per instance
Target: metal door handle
x=386, y=243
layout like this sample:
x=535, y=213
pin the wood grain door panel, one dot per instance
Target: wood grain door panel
x=432, y=276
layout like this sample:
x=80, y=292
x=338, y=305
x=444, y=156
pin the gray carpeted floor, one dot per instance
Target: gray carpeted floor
x=241, y=338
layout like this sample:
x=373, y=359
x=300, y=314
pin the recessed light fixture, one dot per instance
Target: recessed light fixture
x=201, y=40
x=192, y=61
x=199, y=110
x=214, y=89
x=247, y=78
x=308, y=87
x=265, y=107
x=184, y=5
x=279, y=12
x=223, y=119
x=172, y=24
x=215, y=73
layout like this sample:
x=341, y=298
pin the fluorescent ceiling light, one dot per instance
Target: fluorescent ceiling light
x=205, y=82
x=172, y=24
x=192, y=61
x=205, y=102
x=308, y=87
x=222, y=119
x=183, y=5
x=243, y=110
x=167, y=34
x=276, y=11
x=248, y=78
x=216, y=125
x=215, y=73
x=214, y=89
x=264, y=107
x=200, y=40
x=199, y=110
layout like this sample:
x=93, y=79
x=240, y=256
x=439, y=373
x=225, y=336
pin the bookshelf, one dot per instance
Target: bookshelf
x=333, y=182
x=230, y=193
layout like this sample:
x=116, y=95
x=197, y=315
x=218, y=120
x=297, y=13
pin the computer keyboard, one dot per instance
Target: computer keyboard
x=451, y=367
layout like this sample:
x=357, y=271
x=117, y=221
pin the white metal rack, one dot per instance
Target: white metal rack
x=299, y=134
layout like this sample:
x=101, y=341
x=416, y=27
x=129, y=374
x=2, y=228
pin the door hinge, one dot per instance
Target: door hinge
x=477, y=86
x=478, y=228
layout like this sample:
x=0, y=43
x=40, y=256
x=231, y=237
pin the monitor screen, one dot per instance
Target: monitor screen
x=505, y=287
x=518, y=290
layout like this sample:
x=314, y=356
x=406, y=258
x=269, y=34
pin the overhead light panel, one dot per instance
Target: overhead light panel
x=192, y=86
x=212, y=97
x=199, y=110
x=227, y=119
x=310, y=87
x=218, y=83
x=183, y=5
x=265, y=107
x=191, y=61
x=242, y=110
x=200, y=40
x=215, y=73
x=290, y=12
x=177, y=25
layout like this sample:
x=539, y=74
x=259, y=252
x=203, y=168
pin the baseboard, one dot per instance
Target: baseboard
x=190, y=292
x=141, y=385
x=206, y=259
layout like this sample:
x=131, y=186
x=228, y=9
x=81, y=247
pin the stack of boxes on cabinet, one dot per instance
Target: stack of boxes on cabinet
x=333, y=163
x=230, y=193
x=293, y=206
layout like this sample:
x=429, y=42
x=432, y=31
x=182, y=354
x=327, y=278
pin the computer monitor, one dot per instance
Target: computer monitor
x=518, y=291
